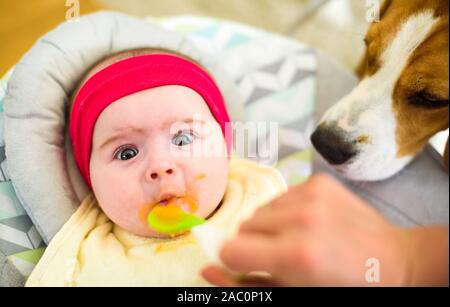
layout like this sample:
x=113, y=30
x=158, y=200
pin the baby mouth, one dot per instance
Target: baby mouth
x=164, y=202
x=174, y=215
x=185, y=203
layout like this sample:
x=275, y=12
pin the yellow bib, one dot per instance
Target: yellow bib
x=90, y=250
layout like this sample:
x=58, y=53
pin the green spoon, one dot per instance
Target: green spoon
x=171, y=219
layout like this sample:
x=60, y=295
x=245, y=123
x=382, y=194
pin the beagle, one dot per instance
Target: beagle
x=402, y=99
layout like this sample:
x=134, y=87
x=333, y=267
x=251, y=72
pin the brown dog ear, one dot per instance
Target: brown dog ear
x=446, y=155
x=384, y=7
x=361, y=68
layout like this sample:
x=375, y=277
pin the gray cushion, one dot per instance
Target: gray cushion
x=36, y=103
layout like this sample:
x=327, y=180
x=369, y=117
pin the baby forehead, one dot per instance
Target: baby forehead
x=127, y=126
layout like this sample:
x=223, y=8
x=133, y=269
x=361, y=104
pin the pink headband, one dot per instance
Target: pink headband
x=132, y=75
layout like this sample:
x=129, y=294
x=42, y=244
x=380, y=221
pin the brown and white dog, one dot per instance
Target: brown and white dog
x=402, y=99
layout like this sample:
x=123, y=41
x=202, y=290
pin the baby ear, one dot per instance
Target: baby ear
x=446, y=155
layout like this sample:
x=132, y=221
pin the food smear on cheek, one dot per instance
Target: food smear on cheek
x=200, y=176
x=144, y=211
x=188, y=203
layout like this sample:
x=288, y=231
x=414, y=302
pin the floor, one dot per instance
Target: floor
x=22, y=22
x=337, y=28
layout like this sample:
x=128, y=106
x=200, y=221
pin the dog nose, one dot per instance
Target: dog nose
x=332, y=145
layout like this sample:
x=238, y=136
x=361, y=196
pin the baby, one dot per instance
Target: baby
x=150, y=128
x=160, y=140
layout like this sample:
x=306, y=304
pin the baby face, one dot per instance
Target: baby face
x=155, y=146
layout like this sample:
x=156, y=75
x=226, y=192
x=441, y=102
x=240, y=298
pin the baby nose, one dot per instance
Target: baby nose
x=155, y=174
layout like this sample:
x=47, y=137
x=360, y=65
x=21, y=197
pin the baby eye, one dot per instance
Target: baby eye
x=183, y=138
x=126, y=153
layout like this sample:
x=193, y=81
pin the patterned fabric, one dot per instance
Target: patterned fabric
x=19, y=240
x=276, y=77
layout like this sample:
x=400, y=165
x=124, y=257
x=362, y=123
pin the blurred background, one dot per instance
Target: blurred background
x=335, y=26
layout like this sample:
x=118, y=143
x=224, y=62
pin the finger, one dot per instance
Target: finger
x=249, y=252
x=277, y=222
x=267, y=223
x=298, y=196
x=222, y=278
x=256, y=280
x=290, y=209
x=219, y=277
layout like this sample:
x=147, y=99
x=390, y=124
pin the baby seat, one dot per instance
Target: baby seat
x=264, y=77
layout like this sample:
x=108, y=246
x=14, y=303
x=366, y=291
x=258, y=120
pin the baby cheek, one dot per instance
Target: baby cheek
x=115, y=204
x=211, y=185
x=116, y=196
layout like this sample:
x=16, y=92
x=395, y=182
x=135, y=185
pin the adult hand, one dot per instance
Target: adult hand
x=318, y=233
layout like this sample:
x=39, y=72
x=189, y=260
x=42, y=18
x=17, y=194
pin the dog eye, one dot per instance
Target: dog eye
x=425, y=99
